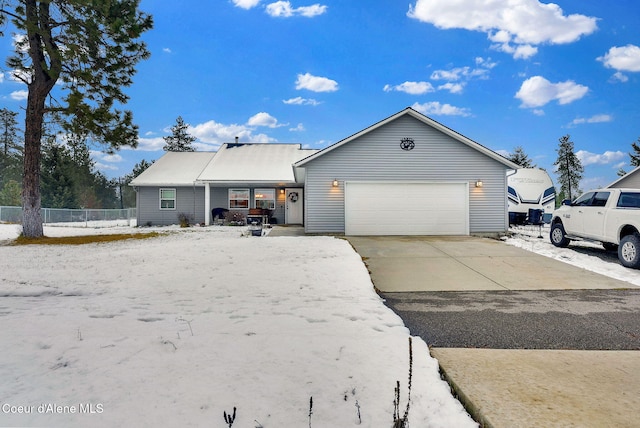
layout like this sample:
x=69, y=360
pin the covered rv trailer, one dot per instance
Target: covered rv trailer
x=530, y=189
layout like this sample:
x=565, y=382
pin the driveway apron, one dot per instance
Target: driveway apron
x=523, y=339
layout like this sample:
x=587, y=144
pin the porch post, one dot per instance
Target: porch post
x=207, y=204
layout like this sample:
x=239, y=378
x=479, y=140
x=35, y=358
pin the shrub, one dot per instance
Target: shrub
x=184, y=219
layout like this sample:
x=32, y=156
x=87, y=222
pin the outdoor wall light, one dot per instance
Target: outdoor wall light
x=282, y=191
x=335, y=183
x=479, y=183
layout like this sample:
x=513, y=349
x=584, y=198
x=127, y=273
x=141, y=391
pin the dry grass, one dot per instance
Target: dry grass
x=80, y=240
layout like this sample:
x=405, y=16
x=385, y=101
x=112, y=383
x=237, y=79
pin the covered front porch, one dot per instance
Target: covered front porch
x=283, y=203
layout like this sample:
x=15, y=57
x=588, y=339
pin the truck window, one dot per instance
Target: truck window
x=600, y=199
x=629, y=200
x=583, y=200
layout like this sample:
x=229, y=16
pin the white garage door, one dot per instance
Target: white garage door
x=373, y=208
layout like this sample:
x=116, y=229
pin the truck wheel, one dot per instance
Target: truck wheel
x=557, y=236
x=629, y=251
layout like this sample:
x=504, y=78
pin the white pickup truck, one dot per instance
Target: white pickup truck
x=609, y=216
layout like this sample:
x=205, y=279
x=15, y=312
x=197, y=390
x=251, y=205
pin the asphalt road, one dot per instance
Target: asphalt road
x=557, y=319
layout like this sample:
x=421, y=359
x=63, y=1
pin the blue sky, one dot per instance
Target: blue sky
x=504, y=73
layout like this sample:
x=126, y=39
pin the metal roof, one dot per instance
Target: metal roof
x=174, y=168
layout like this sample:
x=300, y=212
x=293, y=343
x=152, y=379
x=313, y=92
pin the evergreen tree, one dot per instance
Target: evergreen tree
x=520, y=157
x=57, y=176
x=568, y=167
x=10, y=148
x=85, y=181
x=179, y=140
x=10, y=194
x=88, y=47
x=621, y=172
x=127, y=195
x=635, y=155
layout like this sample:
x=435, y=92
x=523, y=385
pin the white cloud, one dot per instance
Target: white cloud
x=212, y=135
x=518, y=52
x=624, y=58
x=302, y=101
x=454, y=88
x=618, y=77
x=437, y=109
x=166, y=50
x=598, y=118
x=246, y=4
x=264, y=119
x=523, y=23
x=481, y=71
x=413, y=88
x=19, y=95
x=105, y=166
x=315, y=83
x=451, y=75
x=538, y=112
x=105, y=157
x=150, y=144
x=20, y=76
x=588, y=158
x=538, y=91
x=1, y=77
x=283, y=9
x=20, y=42
x=298, y=128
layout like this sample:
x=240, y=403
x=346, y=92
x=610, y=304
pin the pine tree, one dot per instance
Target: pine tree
x=179, y=140
x=57, y=176
x=90, y=49
x=10, y=148
x=520, y=157
x=127, y=195
x=635, y=156
x=568, y=167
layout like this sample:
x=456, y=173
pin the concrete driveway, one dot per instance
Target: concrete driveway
x=482, y=305
x=462, y=263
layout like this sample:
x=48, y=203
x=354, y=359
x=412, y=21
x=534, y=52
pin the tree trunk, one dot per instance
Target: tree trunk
x=31, y=216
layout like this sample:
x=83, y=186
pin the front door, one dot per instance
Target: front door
x=293, y=206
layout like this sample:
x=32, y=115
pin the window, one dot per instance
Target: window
x=167, y=199
x=583, y=200
x=238, y=198
x=265, y=198
x=629, y=200
x=600, y=200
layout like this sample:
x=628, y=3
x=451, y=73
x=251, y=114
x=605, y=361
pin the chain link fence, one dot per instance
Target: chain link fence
x=75, y=217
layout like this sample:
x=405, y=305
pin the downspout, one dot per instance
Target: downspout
x=207, y=203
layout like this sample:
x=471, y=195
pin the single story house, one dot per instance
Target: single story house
x=405, y=175
x=630, y=180
x=236, y=178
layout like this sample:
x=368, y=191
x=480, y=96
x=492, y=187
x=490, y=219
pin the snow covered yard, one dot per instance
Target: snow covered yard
x=587, y=255
x=176, y=330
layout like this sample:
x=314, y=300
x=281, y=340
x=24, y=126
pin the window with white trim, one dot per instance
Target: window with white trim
x=265, y=198
x=167, y=199
x=238, y=199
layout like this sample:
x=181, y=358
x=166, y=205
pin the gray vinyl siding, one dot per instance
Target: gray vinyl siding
x=220, y=198
x=189, y=200
x=629, y=181
x=377, y=156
